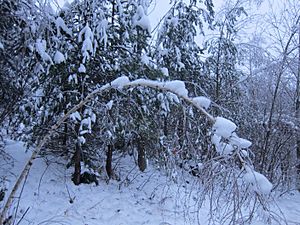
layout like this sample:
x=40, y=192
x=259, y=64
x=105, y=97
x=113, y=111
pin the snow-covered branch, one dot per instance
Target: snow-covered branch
x=222, y=128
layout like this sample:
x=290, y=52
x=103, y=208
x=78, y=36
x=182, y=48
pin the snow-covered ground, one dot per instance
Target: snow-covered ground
x=49, y=196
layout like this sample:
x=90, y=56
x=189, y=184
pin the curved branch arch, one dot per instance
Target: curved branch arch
x=176, y=87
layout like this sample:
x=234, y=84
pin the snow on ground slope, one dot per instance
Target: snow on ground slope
x=139, y=198
x=143, y=198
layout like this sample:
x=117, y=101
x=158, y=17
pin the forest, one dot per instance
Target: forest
x=209, y=95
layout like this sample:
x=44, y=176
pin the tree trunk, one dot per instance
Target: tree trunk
x=65, y=138
x=77, y=165
x=142, y=161
x=108, y=165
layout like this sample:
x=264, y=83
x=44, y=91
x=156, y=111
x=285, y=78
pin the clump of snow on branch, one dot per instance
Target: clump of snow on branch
x=41, y=49
x=59, y=57
x=1, y=46
x=239, y=142
x=81, y=139
x=60, y=25
x=73, y=78
x=177, y=87
x=258, y=182
x=141, y=19
x=223, y=127
x=75, y=116
x=145, y=59
x=221, y=147
x=165, y=71
x=82, y=69
x=202, y=102
x=120, y=82
x=101, y=32
x=87, y=37
x=109, y=105
x=145, y=82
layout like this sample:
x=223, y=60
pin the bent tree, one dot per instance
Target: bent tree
x=223, y=137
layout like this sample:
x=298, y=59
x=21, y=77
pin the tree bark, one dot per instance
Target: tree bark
x=77, y=164
x=108, y=165
x=65, y=138
x=142, y=161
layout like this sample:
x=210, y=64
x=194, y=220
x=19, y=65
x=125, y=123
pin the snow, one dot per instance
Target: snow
x=202, y=101
x=223, y=127
x=141, y=19
x=81, y=139
x=73, y=78
x=145, y=59
x=164, y=104
x=165, y=71
x=174, y=21
x=177, y=87
x=239, y=142
x=59, y=57
x=120, y=82
x=1, y=46
x=82, y=69
x=66, y=7
x=148, y=198
x=39, y=68
x=101, y=29
x=244, y=153
x=181, y=66
x=109, y=105
x=85, y=126
x=60, y=97
x=136, y=199
x=60, y=24
x=87, y=37
x=75, y=116
x=221, y=147
x=93, y=117
x=258, y=182
x=41, y=49
x=225, y=148
x=145, y=82
x=173, y=98
x=144, y=23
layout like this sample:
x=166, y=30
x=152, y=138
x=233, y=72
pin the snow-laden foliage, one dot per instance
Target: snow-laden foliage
x=162, y=97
